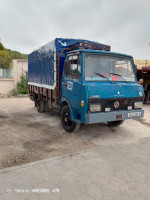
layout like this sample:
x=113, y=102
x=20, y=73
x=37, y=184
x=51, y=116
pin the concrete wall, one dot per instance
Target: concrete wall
x=6, y=85
x=19, y=66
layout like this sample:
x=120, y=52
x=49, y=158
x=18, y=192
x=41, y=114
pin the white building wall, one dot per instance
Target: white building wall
x=6, y=85
x=19, y=66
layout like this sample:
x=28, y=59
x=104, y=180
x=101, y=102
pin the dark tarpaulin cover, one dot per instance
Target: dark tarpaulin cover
x=41, y=63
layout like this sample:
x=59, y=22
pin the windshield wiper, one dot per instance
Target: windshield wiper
x=101, y=75
x=120, y=76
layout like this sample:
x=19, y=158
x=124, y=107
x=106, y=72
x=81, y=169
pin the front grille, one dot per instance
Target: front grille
x=123, y=103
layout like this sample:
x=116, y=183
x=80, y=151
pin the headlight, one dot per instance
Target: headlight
x=95, y=108
x=138, y=105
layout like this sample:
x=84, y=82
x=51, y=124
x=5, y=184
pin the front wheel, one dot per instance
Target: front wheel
x=115, y=123
x=67, y=123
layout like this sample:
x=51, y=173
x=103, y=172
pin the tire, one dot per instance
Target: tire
x=115, y=123
x=35, y=103
x=46, y=107
x=35, y=99
x=67, y=124
x=40, y=106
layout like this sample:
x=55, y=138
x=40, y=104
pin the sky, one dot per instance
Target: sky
x=25, y=25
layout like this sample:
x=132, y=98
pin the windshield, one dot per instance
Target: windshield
x=108, y=68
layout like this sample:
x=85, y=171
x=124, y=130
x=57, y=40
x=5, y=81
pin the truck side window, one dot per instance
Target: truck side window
x=74, y=68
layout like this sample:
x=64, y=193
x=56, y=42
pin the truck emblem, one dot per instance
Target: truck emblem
x=118, y=92
x=62, y=43
x=116, y=104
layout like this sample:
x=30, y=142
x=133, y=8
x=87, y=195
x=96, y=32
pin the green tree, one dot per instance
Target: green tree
x=1, y=47
x=6, y=56
x=5, y=59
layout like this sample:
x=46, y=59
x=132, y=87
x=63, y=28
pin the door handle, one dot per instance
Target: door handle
x=64, y=84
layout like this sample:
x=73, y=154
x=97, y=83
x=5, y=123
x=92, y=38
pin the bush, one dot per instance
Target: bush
x=22, y=86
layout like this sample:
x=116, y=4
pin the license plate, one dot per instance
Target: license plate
x=135, y=114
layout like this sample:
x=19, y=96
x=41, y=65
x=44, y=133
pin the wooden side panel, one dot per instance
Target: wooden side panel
x=48, y=95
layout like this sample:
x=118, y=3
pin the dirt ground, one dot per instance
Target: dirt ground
x=26, y=135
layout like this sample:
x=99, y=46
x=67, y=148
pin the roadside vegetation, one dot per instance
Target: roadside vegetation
x=22, y=86
x=6, y=56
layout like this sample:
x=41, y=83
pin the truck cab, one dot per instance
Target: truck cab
x=98, y=86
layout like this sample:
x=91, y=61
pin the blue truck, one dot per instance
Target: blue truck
x=85, y=82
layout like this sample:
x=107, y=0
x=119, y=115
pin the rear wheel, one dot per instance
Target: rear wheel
x=115, y=123
x=46, y=107
x=40, y=106
x=67, y=123
x=35, y=102
x=35, y=99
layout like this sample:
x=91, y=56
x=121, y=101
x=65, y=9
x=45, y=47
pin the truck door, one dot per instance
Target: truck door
x=71, y=83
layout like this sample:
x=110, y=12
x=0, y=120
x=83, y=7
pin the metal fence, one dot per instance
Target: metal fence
x=6, y=73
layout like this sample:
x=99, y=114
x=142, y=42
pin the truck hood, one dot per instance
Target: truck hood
x=114, y=90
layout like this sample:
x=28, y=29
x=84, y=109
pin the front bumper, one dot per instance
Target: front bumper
x=92, y=118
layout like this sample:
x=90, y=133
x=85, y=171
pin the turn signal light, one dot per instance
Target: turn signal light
x=82, y=103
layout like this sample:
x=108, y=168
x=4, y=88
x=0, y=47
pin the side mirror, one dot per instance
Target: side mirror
x=66, y=67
